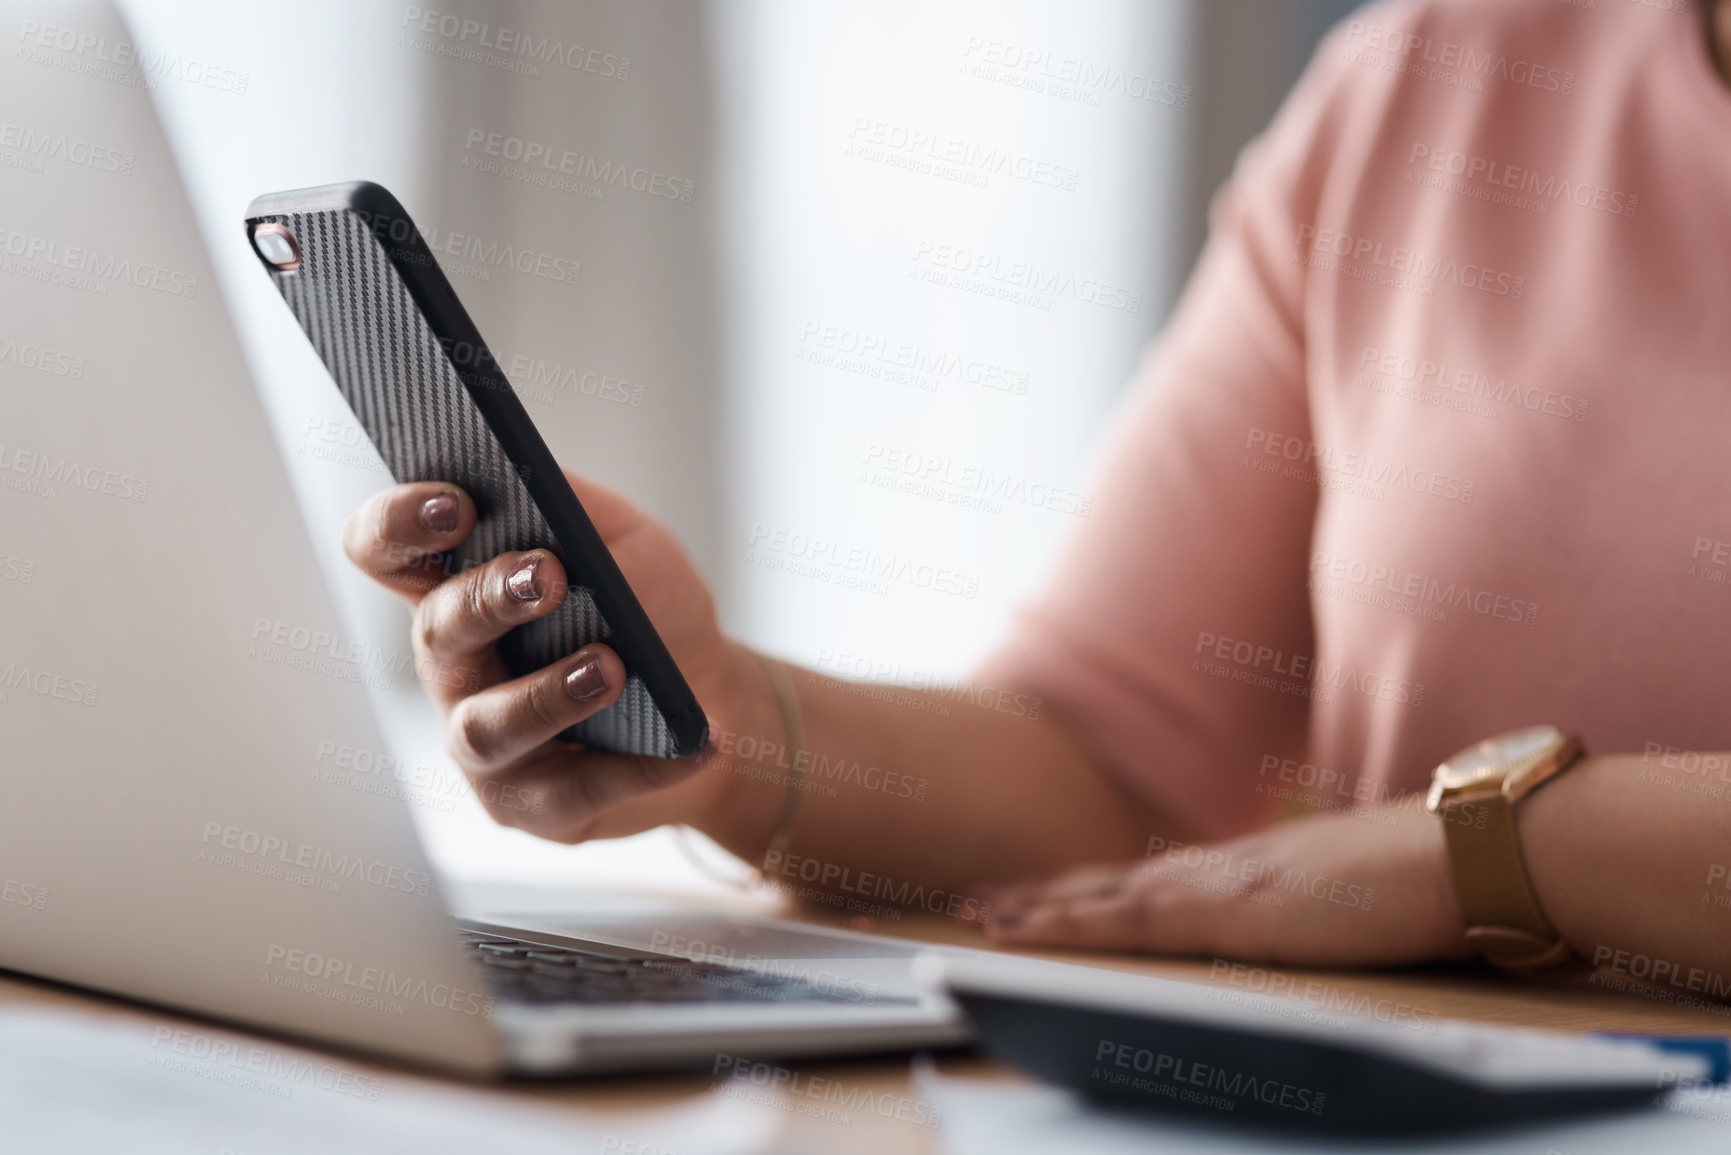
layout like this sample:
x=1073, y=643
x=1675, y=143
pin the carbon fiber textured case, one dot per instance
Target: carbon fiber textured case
x=409, y=394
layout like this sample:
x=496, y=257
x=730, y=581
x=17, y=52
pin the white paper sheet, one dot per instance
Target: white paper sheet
x=75, y=1084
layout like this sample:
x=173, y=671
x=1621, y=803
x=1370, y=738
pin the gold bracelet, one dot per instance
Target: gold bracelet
x=793, y=728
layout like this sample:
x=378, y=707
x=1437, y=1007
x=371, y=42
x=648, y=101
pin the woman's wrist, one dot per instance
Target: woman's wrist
x=751, y=755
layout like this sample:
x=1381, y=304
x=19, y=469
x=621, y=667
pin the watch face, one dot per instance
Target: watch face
x=1488, y=758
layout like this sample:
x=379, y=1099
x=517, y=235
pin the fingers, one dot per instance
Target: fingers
x=568, y=794
x=1078, y=907
x=501, y=729
x=501, y=725
x=396, y=536
x=1119, y=907
x=502, y=737
x=1115, y=920
x=1084, y=882
x=1145, y=906
x=457, y=622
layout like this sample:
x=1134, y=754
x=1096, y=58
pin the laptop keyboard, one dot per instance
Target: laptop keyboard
x=532, y=972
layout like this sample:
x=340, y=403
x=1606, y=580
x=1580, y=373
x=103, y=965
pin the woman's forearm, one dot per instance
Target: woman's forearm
x=911, y=792
x=914, y=797
x=1628, y=857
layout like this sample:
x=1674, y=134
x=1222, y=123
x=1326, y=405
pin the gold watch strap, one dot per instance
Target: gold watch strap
x=1502, y=915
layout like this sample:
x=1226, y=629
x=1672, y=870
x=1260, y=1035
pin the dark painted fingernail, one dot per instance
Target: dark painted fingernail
x=1007, y=919
x=586, y=679
x=525, y=581
x=439, y=514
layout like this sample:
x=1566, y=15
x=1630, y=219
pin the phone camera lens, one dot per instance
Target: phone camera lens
x=276, y=244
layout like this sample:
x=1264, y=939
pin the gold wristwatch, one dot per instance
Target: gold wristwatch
x=1474, y=793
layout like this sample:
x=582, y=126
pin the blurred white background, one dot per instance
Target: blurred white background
x=913, y=254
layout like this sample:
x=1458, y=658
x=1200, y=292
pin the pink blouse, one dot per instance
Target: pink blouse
x=1438, y=442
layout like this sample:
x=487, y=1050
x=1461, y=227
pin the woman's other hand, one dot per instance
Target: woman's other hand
x=1367, y=888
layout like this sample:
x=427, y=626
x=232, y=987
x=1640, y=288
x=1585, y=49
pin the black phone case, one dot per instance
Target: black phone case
x=424, y=386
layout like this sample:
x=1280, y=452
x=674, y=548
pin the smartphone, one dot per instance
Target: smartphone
x=402, y=350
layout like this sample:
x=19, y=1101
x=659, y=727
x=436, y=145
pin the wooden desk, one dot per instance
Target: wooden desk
x=1458, y=993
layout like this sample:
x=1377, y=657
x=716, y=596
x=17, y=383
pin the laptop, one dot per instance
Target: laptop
x=178, y=691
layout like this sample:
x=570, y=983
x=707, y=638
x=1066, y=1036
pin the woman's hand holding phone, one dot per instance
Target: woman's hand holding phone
x=502, y=730
x=945, y=793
